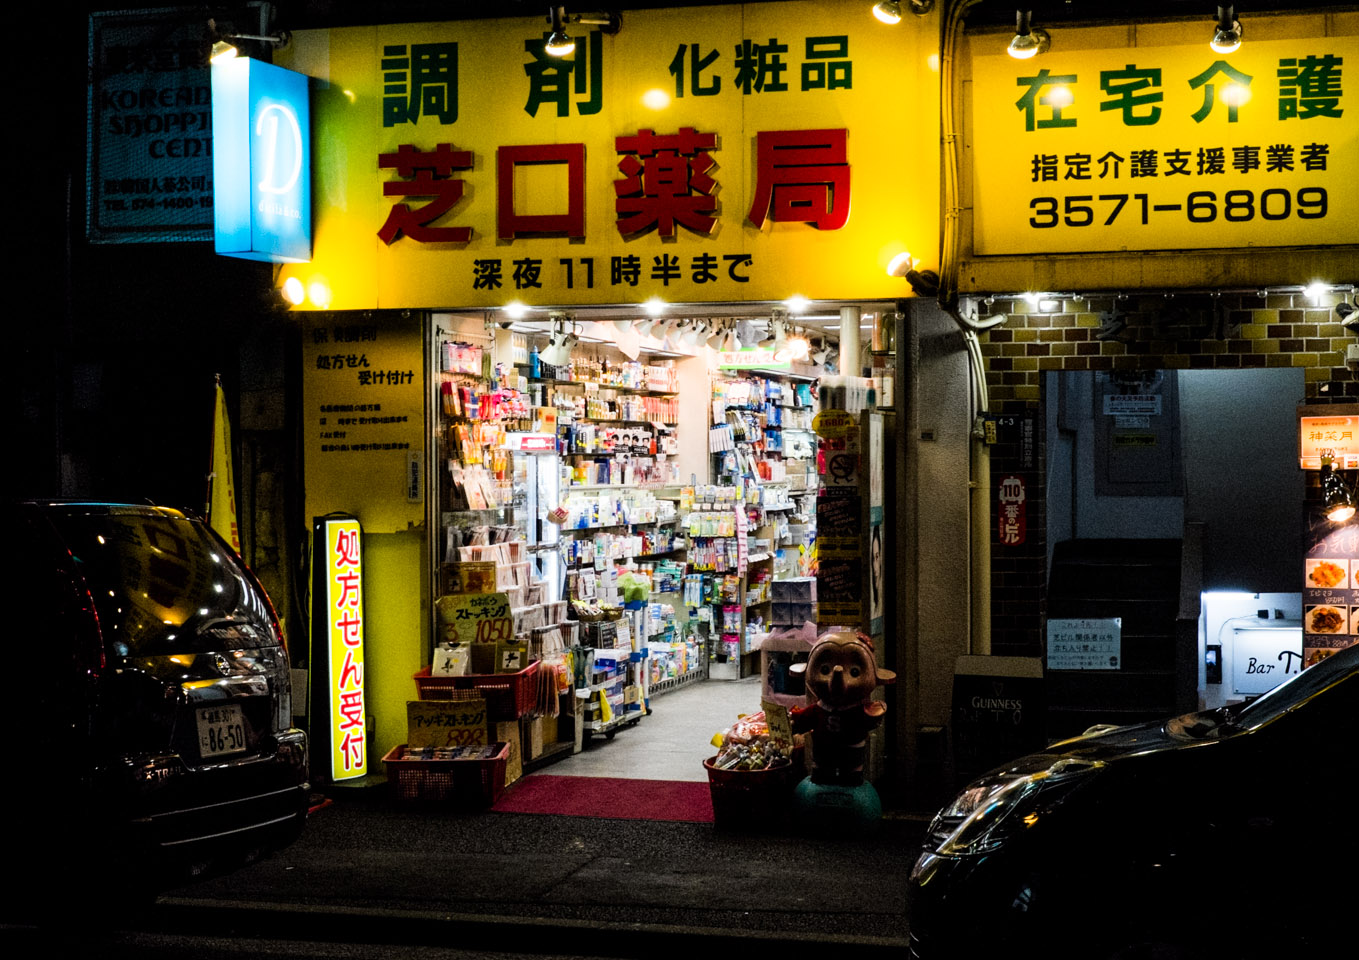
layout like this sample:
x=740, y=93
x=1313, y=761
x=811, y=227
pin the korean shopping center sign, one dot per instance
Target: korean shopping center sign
x=1167, y=145
x=704, y=154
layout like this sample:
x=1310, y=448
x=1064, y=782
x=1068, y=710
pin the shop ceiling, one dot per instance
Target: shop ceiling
x=822, y=316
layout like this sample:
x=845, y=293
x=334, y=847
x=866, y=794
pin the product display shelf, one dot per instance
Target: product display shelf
x=612, y=695
x=662, y=652
x=614, y=486
x=638, y=558
x=587, y=384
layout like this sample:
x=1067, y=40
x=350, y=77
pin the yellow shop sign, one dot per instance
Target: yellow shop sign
x=697, y=155
x=1159, y=143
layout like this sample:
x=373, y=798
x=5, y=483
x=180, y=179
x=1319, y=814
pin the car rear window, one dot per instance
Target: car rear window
x=161, y=583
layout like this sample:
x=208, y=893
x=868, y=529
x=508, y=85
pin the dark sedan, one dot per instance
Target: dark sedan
x=1221, y=834
x=148, y=704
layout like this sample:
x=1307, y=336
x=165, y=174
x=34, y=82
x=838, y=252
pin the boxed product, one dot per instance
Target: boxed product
x=795, y=590
x=792, y=613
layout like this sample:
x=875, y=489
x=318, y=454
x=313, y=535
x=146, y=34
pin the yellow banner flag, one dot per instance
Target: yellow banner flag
x=222, y=486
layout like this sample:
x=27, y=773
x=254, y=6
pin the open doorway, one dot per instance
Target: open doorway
x=1163, y=485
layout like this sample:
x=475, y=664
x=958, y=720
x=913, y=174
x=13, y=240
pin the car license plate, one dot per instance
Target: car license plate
x=221, y=730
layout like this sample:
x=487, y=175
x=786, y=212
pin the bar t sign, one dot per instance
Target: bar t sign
x=1013, y=514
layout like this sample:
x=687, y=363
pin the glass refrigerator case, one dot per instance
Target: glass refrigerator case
x=537, y=491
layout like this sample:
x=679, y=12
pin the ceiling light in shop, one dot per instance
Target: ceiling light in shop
x=558, y=351
x=629, y=343
x=795, y=347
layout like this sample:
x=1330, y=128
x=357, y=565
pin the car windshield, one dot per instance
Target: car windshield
x=161, y=584
x=1287, y=695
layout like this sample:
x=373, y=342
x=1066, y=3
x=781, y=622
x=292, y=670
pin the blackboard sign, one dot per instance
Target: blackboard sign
x=999, y=707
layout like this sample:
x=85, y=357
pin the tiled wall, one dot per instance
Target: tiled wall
x=1136, y=332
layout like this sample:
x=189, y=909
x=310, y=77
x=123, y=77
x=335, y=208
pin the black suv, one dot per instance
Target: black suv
x=148, y=701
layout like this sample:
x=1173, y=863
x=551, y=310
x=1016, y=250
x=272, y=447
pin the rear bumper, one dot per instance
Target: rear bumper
x=181, y=811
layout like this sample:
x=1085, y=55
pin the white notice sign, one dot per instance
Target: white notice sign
x=1132, y=404
x=1085, y=644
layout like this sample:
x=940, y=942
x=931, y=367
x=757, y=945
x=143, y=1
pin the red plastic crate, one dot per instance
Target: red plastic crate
x=508, y=695
x=470, y=783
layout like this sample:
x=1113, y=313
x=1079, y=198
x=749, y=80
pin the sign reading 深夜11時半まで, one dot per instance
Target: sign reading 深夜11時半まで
x=1167, y=146
x=744, y=153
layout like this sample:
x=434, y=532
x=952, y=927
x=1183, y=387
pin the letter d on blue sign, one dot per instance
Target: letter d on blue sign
x=261, y=162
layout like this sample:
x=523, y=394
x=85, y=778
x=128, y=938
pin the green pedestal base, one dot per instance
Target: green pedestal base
x=830, y=809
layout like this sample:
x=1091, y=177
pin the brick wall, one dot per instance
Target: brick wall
x=1136, y=332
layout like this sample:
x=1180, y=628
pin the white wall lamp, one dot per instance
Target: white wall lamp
x=889, y=11
x=224, y=48
x=924, y=283
x=559, y=42
x=1027, y=42
x=1227, y=36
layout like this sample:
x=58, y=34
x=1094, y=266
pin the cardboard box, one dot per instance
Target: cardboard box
x=550, y=730
x=446, y=723
x=532, y=733
x=508, y=730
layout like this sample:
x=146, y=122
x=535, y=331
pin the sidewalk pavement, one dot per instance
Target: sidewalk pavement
x=371, y=869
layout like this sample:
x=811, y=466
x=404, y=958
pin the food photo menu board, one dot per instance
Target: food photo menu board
x=1330, y=596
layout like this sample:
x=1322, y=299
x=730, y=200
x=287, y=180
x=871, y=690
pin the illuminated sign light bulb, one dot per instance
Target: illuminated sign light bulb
x=899, y=264
x=888, y=12
x=319, y=294
x=294, y=292
x=655, y=99
x=1235, y=94
x=654, y=307
x=516, y=310
x=796, y=304
x=1059, y=96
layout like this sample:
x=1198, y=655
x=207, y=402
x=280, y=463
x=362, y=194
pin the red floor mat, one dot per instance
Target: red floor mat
x=612, y=797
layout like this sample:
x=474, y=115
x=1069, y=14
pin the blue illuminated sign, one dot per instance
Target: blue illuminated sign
x=261, y=162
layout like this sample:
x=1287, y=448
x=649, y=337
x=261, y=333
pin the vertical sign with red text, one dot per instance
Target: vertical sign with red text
x=344, y=606
x=1013, y=514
